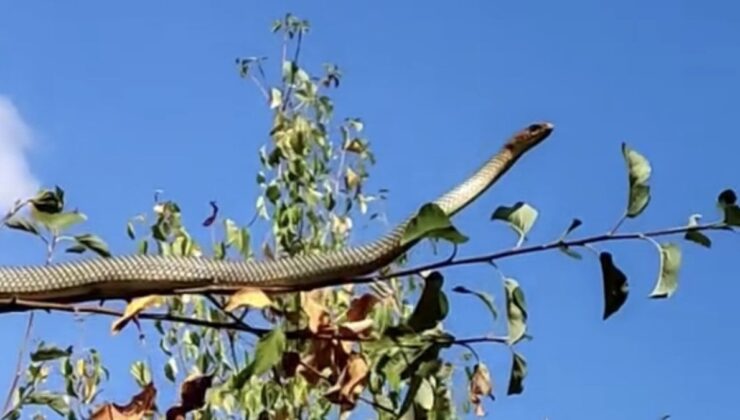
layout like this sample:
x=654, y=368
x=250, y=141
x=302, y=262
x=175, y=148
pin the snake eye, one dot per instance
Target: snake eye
x=534, y=128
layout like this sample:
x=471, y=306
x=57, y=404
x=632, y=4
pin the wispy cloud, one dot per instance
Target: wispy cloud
x=16, y=179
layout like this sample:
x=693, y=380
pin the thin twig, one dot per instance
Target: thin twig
x=476, y=340
x=19, y=365
x=289, y=90
x=14, y=210
x=9, y=305
x=261, y=87
x=545, y=247
x=237, y=320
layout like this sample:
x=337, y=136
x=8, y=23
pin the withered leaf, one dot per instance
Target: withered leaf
x=361, y=307
x=318, y=315
x=250, y=297
x=141, y=404
x=134, y=308
x=192, y=396
x=351, y=383
x=480, y=386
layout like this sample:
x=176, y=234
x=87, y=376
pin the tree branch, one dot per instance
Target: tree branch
x=13, y=211
x=487, y=258
x=17, y=305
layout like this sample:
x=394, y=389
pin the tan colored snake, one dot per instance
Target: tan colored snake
x=132, y=276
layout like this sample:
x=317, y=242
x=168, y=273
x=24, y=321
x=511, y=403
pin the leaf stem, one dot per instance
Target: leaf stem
x=619, y=224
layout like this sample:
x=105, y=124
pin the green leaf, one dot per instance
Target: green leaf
x=45, y=353
x=670, y=264
x=58, y=403
x=76, y=249
x=93, y=243
x=219, y=250
x=616, y=287
x=518, y=373
x=418, y=366
x=273, y=193
x=516, y=311
x=237, y=237
x=60, y=222
x=732, y=215
x=432, y=306
x=569, y=252
x=170, y=370
x=450, y=234
x=276, y=98
x=22, y=224
x=355, y=123
x=130, y=232
x=695, y=235
x=639, y=171
x=483, y=296
x=638, y=200
x=727, y=197
x=520, y=217
x=47, y=201
x=143, y=247
x=141, y=373
x=431, y=222
x=573, y=226
x=727, y=201
x=267, y=354
x=424, y=395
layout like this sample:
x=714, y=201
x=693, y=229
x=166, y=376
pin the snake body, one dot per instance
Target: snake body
x=138, y=275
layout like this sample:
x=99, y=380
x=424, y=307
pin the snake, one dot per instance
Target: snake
x=130, y=276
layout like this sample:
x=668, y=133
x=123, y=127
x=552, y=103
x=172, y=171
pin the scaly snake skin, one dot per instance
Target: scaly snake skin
x=131, y=276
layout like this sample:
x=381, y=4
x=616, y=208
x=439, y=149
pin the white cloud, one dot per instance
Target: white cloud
x=16, y=179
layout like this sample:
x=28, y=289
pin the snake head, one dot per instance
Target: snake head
x=530, y=136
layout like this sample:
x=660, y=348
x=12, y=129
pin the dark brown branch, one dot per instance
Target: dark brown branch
x=303, y=334
x=23, y=305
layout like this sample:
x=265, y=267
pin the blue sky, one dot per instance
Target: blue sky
x=114, y=101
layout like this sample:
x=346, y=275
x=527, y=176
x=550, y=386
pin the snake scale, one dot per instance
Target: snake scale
x=139, y=275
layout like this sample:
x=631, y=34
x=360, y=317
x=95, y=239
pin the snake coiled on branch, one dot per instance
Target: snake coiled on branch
x=138, y=275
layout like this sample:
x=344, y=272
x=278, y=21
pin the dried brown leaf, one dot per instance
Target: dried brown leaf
x=354, y=331
x=351, y=179
x=134, y=308
x=325, y=359
x=361, y=307
x=480, y=386
x=290, y=363
x=250, y=297
x=141, y=404
x=192, y=396
x=267, y=252
x=351, y=383
x=318, y=315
